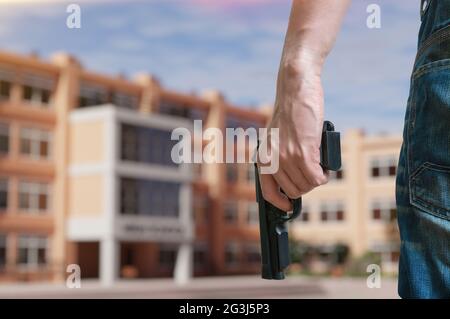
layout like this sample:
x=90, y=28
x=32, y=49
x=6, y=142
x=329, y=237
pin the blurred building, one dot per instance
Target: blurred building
x=86, y=178
x=356, y=209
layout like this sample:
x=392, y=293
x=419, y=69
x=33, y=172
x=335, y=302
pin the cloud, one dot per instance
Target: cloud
x=233, y=46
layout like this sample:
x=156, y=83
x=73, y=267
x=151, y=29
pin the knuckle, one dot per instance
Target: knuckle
x=294, y=193
x=316, y=181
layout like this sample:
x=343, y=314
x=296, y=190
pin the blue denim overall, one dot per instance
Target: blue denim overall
x=423, y=178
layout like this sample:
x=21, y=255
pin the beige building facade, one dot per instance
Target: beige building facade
x=85, y=178
x=357, y=206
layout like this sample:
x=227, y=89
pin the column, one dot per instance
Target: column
x=109, y=261
x=183, y=265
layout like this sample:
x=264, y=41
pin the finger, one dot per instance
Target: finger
x=286, y=184
x=314, y=173
x=296, y=176
x=271, y=193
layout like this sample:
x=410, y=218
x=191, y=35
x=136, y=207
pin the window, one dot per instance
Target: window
x=32, y=251
x=5, y=90
x=91, y=94
x=3, y=194
x=384, y=210
x=197, y=169
x=231, y=212
x=382, y=167
x=2, y=251
x=149, y=197
x=252, y=214
x=37, y=89
x=4, y=138
x=231, y=254
x=35, y=143
x=237, y=122
x=200, y=255
x=251, y=173
x=332, y=212
x=37, y=96
x=34, y=197
x=174, y=109
x=147, y=145
x=232, y=172
x=336, y=175
x=201, y=208
x=252, y=253
x=304, y=216
x=125, y=100
x=167, y=255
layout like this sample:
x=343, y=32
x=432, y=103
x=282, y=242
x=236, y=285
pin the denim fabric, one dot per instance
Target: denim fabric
x=423, y=178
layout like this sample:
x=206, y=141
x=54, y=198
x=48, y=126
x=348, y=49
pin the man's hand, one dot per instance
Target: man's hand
x=298, y=112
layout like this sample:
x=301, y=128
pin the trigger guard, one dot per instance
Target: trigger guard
x=296, y=208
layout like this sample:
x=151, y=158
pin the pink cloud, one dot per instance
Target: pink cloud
x=231, y=3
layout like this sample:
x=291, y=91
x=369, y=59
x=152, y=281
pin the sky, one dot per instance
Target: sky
x=230, y=45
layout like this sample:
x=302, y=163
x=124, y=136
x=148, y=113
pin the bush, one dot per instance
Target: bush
x=358, y=266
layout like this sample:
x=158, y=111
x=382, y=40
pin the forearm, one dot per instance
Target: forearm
x=298, y=113
x=312, y=31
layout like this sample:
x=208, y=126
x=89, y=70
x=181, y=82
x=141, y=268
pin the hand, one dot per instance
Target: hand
x=298, y=115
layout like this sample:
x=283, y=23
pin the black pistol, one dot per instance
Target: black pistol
x=272, y=220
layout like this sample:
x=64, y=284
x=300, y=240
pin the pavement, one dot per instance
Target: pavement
x=210, y=288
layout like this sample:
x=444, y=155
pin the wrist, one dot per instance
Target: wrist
x=298, y=58
x=300, y=61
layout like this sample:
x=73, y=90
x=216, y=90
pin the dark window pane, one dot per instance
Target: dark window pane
x=45, y=97
x=323, y=216
x=340, y=215
x=24, y=201
x=231, y=256
x=230, y=213
x=43, y=148
x=22, y=257
x=252, y=255
x=174, y=109
x=2, y=251
x=2, y=257
x=232, y=174
x=167, y=257
x=393, y=213
x=149, y=197
x=200, y=257
x=3, y=194
x=43, y=202
x=304, y=216
x=4, y=144
x=375, y=171
x=392, y=170
x=147, y=145
x=395, y=255
x=5, y=89
x=27, y=92
x=42, y=256
x=25, y=146
x=376, y=214
x=82, y=101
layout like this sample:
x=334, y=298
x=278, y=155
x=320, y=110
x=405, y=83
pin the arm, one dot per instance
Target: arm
x=298, y=113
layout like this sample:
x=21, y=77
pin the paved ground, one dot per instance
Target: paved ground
x=218, y=287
